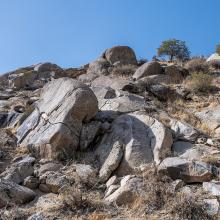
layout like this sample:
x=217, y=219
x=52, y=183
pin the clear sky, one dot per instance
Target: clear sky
x=74, y=32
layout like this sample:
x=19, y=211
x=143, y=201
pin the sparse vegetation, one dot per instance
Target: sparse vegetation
x=125, y=70
x=197, y=64
x=185, y=207
x=199, y=82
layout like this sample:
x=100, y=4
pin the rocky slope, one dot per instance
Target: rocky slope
x=114, y=139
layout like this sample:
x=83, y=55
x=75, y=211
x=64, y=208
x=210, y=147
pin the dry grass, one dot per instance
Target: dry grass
x=160, y=201
x=21, y=151
x=85, y=202
x=199, y=82
x=124, y=70
x=197, y=64
x=185, y=207
x=212, y=159
x=206, y=129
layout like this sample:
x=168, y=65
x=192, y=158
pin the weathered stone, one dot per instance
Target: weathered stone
x=51, y=166
x=112, y=181
x=111, y=190
x=99, y=67
x=103, y=92
x=87, y=77
x=212, y=187
x=184, y=131
x=11, y=192
x=212, y=206
x=147, y=81
x=126, y=103
x=114, y=82
x=105, y=127
x=189, y=172
x=127, y=193
x=12, y=119
x=55, y=181
x=22, y=80
x=121, y=54
x=177, y=184
x=180, y=147
x=162, y=92
x=53, y=128
x=49, y=201
x=31, y=182
x=86, y=173
x=44, y=188
x=199, y=152
x=211, y=118
x=47, y=70
x=19, y=170
x=88, y=133
x=147, y=69
x=144, y=139
x=112, y=161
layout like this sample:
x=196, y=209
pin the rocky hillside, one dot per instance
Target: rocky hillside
x=115, y=139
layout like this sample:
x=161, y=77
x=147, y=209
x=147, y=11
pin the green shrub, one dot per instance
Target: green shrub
x=174, y=49
x=200, y=82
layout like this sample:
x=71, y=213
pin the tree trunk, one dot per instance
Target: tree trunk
x=171, y=57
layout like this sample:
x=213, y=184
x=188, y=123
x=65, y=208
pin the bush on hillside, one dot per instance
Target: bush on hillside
x=199, y=82
x=197, y=64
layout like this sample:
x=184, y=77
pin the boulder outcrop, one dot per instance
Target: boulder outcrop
x=53, y=129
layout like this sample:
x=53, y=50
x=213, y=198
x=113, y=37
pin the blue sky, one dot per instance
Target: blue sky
x=74, y=32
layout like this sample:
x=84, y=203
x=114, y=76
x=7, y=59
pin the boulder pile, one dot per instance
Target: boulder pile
x=66, y=130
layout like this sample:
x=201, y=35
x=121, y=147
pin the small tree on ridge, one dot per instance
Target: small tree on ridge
x=174, y=49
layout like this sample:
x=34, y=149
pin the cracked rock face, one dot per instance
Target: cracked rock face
x=143, y=140
x=53, y=129
x=211, y=118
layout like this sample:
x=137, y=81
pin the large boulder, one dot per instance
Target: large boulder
x=183, y=130
x=11, y=192
x=86, y=173
x=211, y=118
x=22, y=80
x=188, y=171
x=147, y=69
x=125, y=103
x=162, y=92
x=50, y=166
x=47, y=70
x=212, y=187
x=120, y=54
x=129, y=189
x=34, y=76
x=88, y=134
x=142, y=138
x=53, y=129
x=19, y=170
x=99, y=67
x=114, y=83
